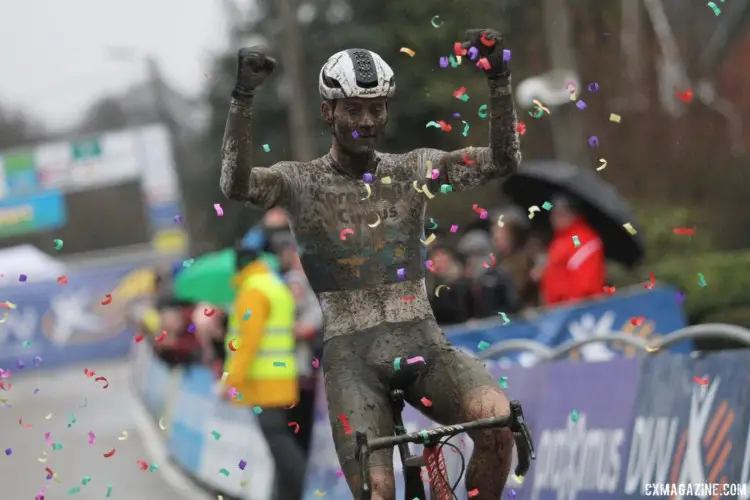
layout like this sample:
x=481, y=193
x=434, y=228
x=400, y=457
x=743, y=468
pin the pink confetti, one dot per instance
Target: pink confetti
x=92, y=438
x=435, y=173
x=315, y=363
x=47, y=438
x=483, y=214
x=454, y=228
x=426, y=402
x=340, y=473
x=219, y=210
x=415, y=359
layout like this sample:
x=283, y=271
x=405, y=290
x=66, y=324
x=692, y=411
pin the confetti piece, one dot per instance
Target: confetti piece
x=507, y=55
x=615, y=118
x=593, y=87
x=219, y=210
x=415, y=359
x=8, y=451
x=609, y=290
x=106, y=382
x=22, y=278
x=408, y=298
x=177, y=218
x=43, y=459
x=491, y=263
x=581, y=105
x=107, y=300
x=407, y=51
x=369, y=192
x=630, y=228
x=345, y=422
x=397, y=364
x=683, y=231
x=385, y=180
x=266, y=148
x=73, y=420
x=503, y=381
x=430, y=239
x=109, y=491
x=702, y=281
x=701, y=380
x=92, y=437
x=123, y=436
x=574, y=416
x=473, y=493
x=109, y=453
x=376, y=223
x=345, y=232
x=295, y=425
x=57, y=446
x=504, y=317
x=594, y=141
x=401, y=273
x=440, y=287
x=466, y=128
x=637, y=320
x=443, y=62
x=162, y=425
x=602, y=165
x=576, y=241
x=319, y=493
x=139, y=339
x=188, y=263
x=242, y=464
x=446, y=188
x=426, y=402
x=257, y=410
x=161, y=337
x=216, y=435
x=715, y=8
x=521, y=128
x=434, y=22
x=208, y=312
x=482, y=111
x=58, y=244
x=62, y=280
x=483, y=345
x=231, y=345
x=279, y=364
x=532, y=210
x=686, y=96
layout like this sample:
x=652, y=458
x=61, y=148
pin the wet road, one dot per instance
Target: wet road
x=69, y=405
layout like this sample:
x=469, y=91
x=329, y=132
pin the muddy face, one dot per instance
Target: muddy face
x=358, y=124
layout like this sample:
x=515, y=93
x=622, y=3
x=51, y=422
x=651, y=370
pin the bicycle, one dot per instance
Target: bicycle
x=432, y=457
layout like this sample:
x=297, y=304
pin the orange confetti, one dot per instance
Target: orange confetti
x=231, y=345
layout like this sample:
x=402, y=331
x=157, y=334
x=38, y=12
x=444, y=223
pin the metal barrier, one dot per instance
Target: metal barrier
x=695, y=332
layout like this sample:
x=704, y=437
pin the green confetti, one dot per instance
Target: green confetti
x=446, y=188
x=266, y=148
x=547, y=206
x=26, y=343
x=433, y=124
x=75, y=490
x=257, y=410
x=58, y=244
x=464, y=97
x=224, y=472
x=574, y=416
x=152, y=467
x=188, y=263
x=85, y=403
x=109, y=490
x=576, y=241
x=216, y=435
x=702, y=281
x=482, y=111
x=57, y=446
x=397, y=364
x=73, y=420
x=454, y=62
x=279, y=364
x=86, y=480
x=503, y=381
x=483, y=345
x=466, y=128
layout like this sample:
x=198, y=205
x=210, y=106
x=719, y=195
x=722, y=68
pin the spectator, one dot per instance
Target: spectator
x=575, y=266
x=515, y=253
x=451, y=306
x=261, y=364
x=491, y=288
x=308, y=330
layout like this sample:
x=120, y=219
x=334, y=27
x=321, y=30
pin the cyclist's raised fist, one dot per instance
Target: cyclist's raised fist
x=253, y=67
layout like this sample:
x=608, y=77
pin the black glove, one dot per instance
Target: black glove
x=489, y=43
x=253, y=67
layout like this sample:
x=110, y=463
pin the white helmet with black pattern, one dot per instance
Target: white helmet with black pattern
x=356, y=73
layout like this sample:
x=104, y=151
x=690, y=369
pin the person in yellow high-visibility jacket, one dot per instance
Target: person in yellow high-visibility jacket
x=261, y=364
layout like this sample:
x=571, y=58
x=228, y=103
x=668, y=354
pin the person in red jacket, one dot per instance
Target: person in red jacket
x=575, y=257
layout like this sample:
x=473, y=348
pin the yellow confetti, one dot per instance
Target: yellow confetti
x=541, y=106
x=244, y=482
x=428, y=173
x=427, y=192
x=500, y=222
x=224, y=377
x=162, y=426
x=615, y=118
x=3, y=399
x=630, y=228
x=532, y=210
x=369, y=192
x=124, y=436
x=602, y=164
x=407, y=50
x=429, y=240
x=385, y=180
x=376, y=223
x=49, y=416
x=43, y=459
x=440, y=287
x=651, y=349
x=519, y=479
x=319, y=493
x=414, y=185
x=219, y=497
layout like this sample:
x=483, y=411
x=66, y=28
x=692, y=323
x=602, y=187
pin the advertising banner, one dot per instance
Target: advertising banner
x=691, y=422
x=69, y=321
x=29, y=214
x=646, y=314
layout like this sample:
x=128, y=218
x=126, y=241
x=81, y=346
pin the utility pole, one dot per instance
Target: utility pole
x=299, y=123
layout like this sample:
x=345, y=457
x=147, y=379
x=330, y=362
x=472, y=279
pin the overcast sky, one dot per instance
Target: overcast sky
x=54, y=59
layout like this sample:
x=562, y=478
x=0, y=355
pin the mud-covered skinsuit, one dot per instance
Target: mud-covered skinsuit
x=364, y=257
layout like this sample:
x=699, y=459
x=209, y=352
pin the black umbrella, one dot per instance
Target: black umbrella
x=606, y=211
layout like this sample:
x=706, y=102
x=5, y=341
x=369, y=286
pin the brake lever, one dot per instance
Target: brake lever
x=522, y=437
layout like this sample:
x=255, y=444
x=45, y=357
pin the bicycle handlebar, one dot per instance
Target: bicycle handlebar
x=430, y=437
